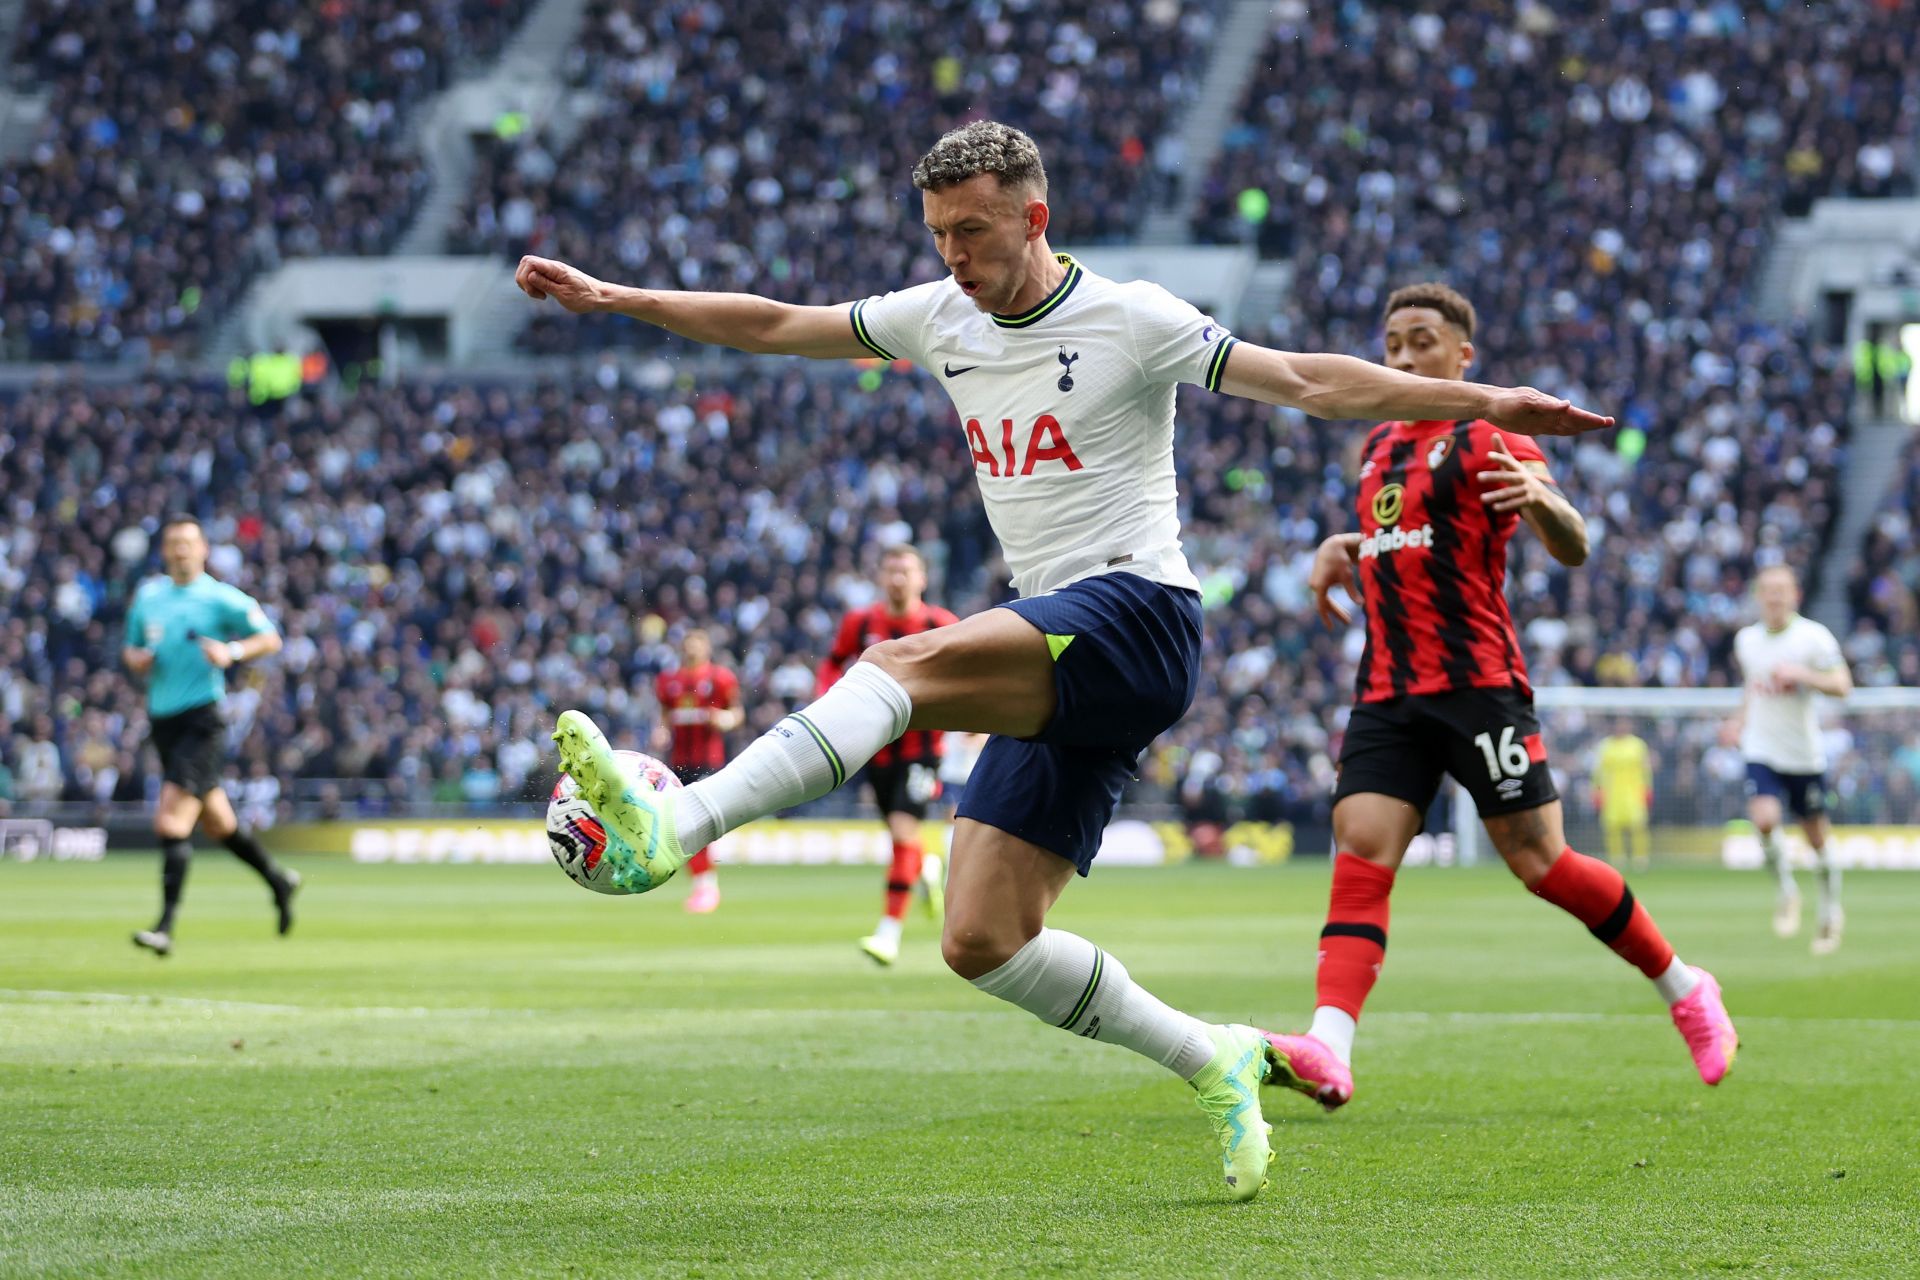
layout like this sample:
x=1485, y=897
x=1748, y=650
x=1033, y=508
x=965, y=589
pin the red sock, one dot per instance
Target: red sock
x=1594, y=894
x=700, y=863
x=1354, y=943
x=901, y=878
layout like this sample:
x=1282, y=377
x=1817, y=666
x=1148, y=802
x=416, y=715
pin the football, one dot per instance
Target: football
x=575, y=836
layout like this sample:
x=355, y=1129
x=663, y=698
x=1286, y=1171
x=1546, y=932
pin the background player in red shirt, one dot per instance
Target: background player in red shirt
x=905, y=774
x=1442, y=689
x=699, y=703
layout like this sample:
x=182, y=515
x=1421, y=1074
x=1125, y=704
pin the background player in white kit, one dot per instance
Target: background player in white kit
x=1784, y=660
x=1065, y=383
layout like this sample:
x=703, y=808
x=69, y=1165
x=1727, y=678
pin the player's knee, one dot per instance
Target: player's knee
x=1530, y=862
x=903, y=656
x=974, y=951
x=1371, y=842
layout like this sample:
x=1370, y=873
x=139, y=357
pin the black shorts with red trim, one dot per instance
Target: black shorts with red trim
x=1488, y=739
x=905, y=786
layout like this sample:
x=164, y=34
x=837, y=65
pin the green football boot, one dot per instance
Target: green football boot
x=647, y=851
x=1228, y=1090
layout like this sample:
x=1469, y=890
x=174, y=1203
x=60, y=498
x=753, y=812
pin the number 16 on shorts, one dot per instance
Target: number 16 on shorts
x=1513, y=756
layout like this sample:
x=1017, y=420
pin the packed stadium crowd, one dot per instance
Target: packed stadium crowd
x=452, y=562
x=735, y=146
x=190, y=145
x=1884, y=592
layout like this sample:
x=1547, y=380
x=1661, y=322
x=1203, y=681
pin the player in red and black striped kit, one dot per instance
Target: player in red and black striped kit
x=699, y=703
x=1442, y=689
x=905, y=774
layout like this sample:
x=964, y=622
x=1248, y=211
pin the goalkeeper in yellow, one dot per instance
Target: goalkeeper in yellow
x=1623, y=789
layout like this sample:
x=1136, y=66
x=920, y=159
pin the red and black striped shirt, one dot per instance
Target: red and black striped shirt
x=1433, y=565
x=862, y=628
x=688, y=698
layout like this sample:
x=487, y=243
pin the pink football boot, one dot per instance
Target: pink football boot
x=1708, y=1031
x=705, y=898
x=1305, y=1065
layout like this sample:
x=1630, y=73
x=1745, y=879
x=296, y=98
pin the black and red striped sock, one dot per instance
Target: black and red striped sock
x=1353, y=945
x=902, y=876
x=1597, y=896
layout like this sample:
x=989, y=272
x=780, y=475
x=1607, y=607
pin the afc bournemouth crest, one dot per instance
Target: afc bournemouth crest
x=1387, y=504
x=1437, y=450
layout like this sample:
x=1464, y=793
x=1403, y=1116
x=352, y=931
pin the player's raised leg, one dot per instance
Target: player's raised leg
x=1533, y=842
x=999, y=889
x=978, y=675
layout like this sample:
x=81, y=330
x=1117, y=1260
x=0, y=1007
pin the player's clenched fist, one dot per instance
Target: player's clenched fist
x=572, y=288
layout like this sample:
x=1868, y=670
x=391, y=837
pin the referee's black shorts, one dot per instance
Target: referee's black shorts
x=192, y=747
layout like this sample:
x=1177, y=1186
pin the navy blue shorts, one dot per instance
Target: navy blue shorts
x=1126, y=663
x=1804, y=794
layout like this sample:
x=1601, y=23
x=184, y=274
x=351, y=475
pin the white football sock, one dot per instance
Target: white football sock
x=1776, y=855
x=706, y=879
x=1677, y=982
x=803, y=757
x=1066, y=981
x=1334, y=1028
x=1826, y=875
x=888, y=930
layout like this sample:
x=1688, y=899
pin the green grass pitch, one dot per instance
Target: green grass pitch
x=453, y=1071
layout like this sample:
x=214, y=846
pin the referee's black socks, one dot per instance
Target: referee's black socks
x=248, y=850
x=174, y=857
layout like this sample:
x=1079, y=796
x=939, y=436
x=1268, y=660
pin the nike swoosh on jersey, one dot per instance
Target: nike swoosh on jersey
x=952, y=372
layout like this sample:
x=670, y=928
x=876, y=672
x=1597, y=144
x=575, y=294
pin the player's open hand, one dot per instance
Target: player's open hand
x=1333, y=566
x=572, y=288
x=1520, y=486
x=1535, y=413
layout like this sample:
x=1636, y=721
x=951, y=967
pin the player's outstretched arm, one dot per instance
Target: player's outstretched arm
x=1330, y=386
x=742, y=321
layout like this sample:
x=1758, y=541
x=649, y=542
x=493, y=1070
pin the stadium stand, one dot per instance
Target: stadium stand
x=190, y=145
x=709, y=161
x=1884, y=593
x=457, y=554
x=1657, y=148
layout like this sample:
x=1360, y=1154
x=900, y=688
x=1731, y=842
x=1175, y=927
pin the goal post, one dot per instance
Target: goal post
x=1698, y=776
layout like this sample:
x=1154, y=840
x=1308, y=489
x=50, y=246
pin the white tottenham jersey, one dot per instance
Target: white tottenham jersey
x=1068, y=411
x=1781, y=731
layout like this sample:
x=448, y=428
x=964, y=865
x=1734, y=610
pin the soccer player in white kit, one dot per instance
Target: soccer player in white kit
x=1784, y=660
x=1064, y=383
